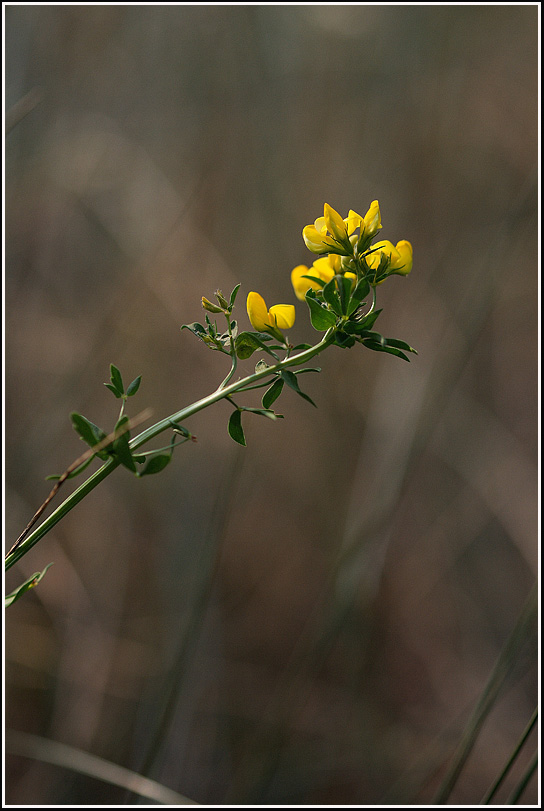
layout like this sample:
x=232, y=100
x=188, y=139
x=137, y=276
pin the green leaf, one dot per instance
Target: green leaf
x=378, y=347
x=320, y=317
x=264, y=412
x=320, y=282
x=292, y=382
x=343, y=340
x=308, y=369
x=24, y=587
x=260, y=366
x=121, y=446
x=247, y=343
x=116, y=378
x=89, y=432
x=234, y=294
x=344, y=290
x=356, y=327
x=134, y=386
x=331, y=297
x=272, y=394
x=235, y=429
x=196, y=328
x=155, y=464
x=112, y=388
x=361, y=291
x=400, y=345
x=301, y=346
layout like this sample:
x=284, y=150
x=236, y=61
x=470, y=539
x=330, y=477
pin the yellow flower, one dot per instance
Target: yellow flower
x=280, y=316
x=331, y=232
x=400, y=256
x=327, y=233
x=371, y=222
x=323, y=268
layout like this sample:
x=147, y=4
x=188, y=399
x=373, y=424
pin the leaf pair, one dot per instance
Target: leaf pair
x=116, y=384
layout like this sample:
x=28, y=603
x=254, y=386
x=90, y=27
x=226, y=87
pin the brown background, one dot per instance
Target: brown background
x=330, y=600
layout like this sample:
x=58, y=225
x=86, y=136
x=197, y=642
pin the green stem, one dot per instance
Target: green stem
x=498, y=782
x=522, y=785
x=232, y=354
x=150, y=433
x=500, y=672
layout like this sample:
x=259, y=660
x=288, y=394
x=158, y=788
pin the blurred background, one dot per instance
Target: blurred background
x=312, y=618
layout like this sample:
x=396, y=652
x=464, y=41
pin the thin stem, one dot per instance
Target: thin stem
x=153, y=431
x=522, y=785
x=232, y=354
x=489, y=695
x=498, y=782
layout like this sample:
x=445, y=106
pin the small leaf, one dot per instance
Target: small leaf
x=357, y=327
x=301, y=346
x=235, y=429
x=343, y=340
x=264, y=412
x=331, y=297
x=248, y=342
x=292, y=382
x=134, y=386
x=361, y=291
x=320, y=317
x=155, y=464
x=234, y=294
x=320, y=282
x=400, y=345
x=121, y=446
x=272, y=394
x=260, y=366
x=24, y=587
x=89, y=432
x=377, y=347
x=344, y=290
x=116, y=378
x=112, y=388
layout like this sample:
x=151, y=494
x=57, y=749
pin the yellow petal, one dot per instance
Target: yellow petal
x=300, y=285
x=353, y=221
x=314, y=240
x=257, y=312
x=334, y=222
x=283, y=315
x=372, y=219
x=404, y=250
x=322, y=269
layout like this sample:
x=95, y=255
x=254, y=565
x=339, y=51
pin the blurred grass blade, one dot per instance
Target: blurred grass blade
x=502, y=668
x=24, y=587
x=511, y=760
x=522, y=785
x=24, y=744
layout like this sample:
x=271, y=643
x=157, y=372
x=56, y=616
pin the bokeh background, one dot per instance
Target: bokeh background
x=317, y=612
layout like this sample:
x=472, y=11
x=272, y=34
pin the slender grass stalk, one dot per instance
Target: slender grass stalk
x=220, y=393
x=24, y=744
x=503, y=666
x=511, y=760
x=522, y=785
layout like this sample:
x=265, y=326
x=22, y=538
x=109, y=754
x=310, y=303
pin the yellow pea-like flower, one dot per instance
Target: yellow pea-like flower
x=405, y=252
x=280, y=316
x=323, y=268
x=400, y=257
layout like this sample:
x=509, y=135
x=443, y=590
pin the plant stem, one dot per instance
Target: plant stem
x=150, y=433
x=498, y=782
x=501, y=670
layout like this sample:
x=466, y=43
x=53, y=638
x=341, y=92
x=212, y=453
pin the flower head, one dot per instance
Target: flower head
x=280, y=316
x=323, y=268
x=399, y=257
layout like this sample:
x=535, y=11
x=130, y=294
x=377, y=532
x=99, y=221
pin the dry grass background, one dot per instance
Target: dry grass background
x=338, y=591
